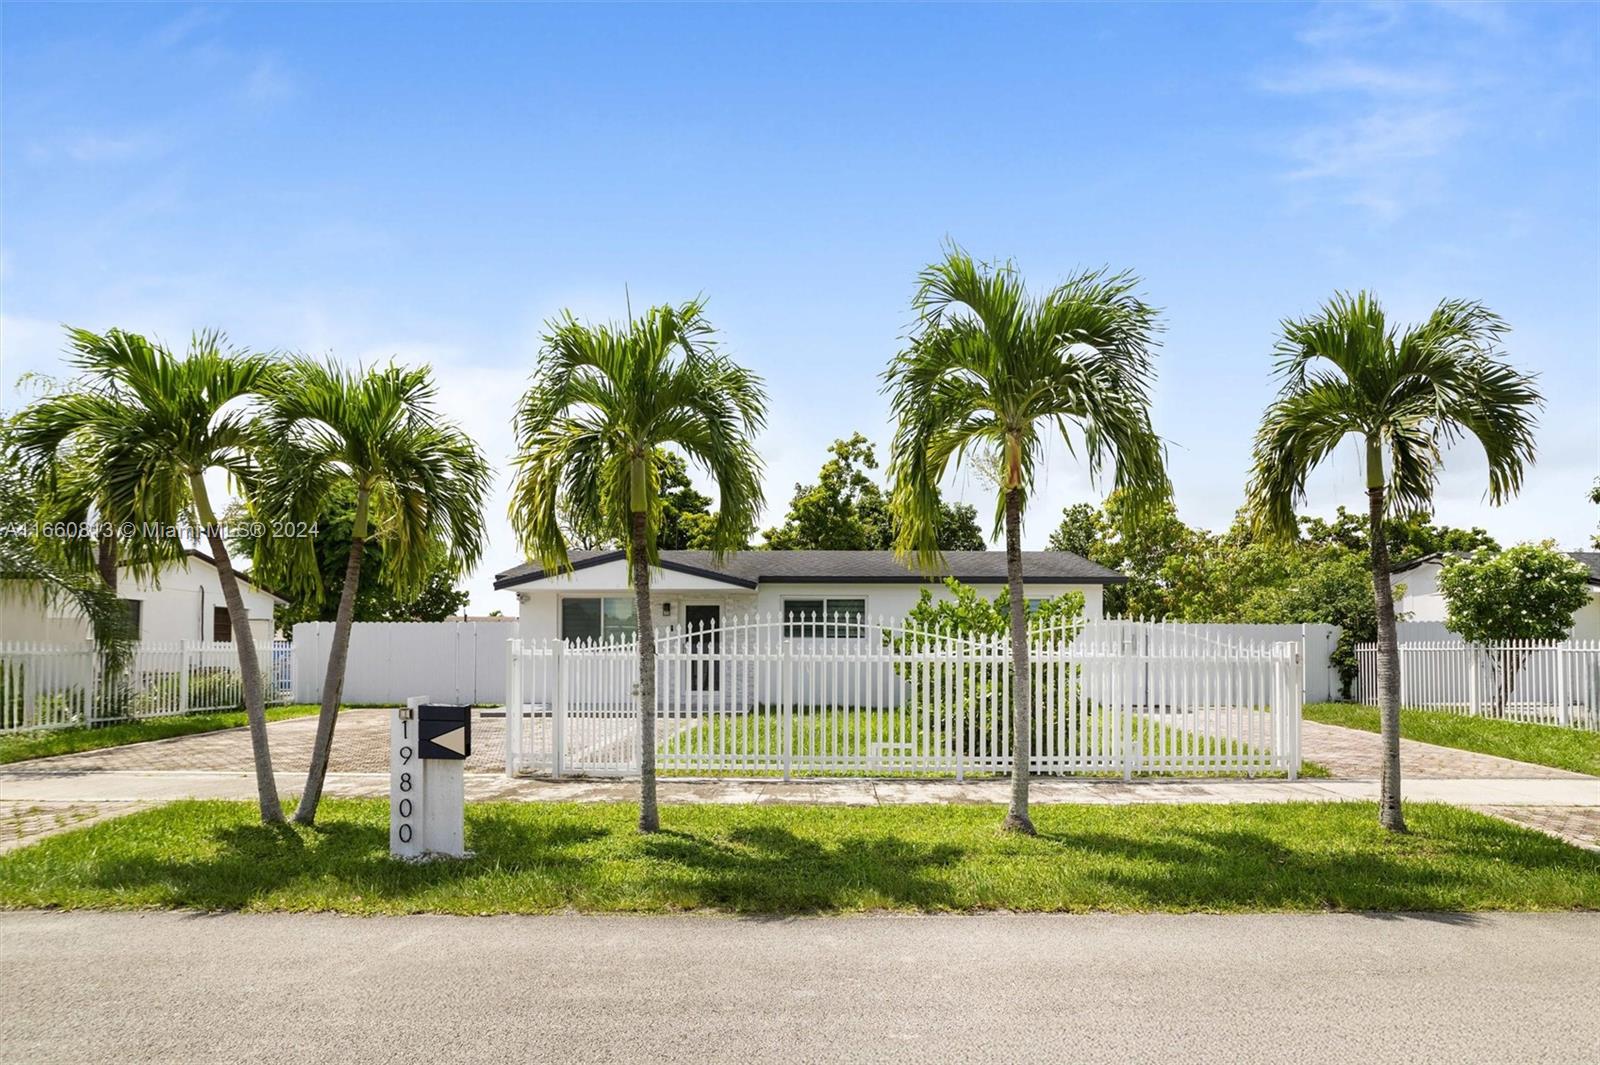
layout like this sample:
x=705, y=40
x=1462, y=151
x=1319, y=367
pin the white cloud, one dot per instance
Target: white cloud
x=1389, y=96
x=269, y=82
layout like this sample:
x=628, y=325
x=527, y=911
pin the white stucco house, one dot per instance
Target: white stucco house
x=595, y=599
x=1423, y=602
x=184, y=602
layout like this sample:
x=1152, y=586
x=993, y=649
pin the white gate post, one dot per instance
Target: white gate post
x=1563, y=712
x=558, y=708
x=1472, y=679
x=1124, y=708
x=183, y=676
x=785, y=716
x=513, y=706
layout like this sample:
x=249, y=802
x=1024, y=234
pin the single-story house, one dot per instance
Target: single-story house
x=594, y=601
x=183, y=602
x=1422, y=600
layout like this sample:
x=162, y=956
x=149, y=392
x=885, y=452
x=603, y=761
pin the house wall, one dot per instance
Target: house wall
x=1424, y=602
x=539, y=607
x=177, y=608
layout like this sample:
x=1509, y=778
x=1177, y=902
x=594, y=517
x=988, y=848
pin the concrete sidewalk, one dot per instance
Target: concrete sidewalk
x=47, y=784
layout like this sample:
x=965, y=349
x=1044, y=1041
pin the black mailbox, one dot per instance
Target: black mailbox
x=444, y=731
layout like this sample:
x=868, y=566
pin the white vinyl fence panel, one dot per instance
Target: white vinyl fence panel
x=1544, y=682
x=763, y=696
x=46, y=686
x=390, y=661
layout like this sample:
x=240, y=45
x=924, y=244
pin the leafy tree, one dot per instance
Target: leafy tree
x=1526, y=592
x=603, y=402
x=846, y=510
x=992, y=374
x=156, y=423
x=419, y=484
x=1409, y=536
x=1082, y=530
x=1594, y=497
x=1347, y=372
x=378, y=596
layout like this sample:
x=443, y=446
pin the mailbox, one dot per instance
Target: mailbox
x=444, y=732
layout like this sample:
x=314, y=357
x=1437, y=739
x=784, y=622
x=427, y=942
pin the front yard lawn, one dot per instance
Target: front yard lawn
x=540, y=858
x=23, y=746
x=1551, y=745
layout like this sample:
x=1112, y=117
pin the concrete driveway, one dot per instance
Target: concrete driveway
x=184, y=988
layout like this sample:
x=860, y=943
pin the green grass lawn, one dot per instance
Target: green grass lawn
x=540, y=858
x=1551, y=745
x=825, y=730
x=22, y=746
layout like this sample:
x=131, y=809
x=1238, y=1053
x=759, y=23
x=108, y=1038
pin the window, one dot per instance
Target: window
x=221, y=625
x=135, y=612
x=833, y=619
x=597, y=619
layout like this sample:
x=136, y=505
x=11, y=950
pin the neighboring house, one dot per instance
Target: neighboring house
x=1424, y=602
x=595, y=600
x=184, y=603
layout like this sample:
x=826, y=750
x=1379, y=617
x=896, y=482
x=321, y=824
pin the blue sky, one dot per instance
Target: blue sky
x=432, y=183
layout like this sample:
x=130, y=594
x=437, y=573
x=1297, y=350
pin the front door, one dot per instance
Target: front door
x=704, y=624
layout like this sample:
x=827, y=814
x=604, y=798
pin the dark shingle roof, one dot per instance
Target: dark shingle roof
x=1590, y=559
x=749, y=568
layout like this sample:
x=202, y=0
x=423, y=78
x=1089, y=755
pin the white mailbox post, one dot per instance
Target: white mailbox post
x=428, y=746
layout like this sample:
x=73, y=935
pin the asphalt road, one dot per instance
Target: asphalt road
x=172, y=987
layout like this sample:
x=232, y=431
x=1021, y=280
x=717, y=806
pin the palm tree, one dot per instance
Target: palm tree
x=419, y=486
x=155, y=423
x=38, y=568
x=1346, y=371
x=603, y=399
x=991, y=374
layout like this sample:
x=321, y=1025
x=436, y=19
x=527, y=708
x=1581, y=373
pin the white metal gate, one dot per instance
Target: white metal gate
x=768, y=697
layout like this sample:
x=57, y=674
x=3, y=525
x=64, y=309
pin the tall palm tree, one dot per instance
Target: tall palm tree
x=419, y=486
x=155, y=423
x=1346, y=372
x=603, y=399
x=991, y=374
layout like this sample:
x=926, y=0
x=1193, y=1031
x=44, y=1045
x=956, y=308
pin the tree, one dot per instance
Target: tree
x=1527, y=592
x=603, y=402
x=990, y=374
x=156, y=423
x=35, y=567
x=1346, y=372
x=1409, y=536
x=380, y=595
x=419, y=484
x=1594, y=497
x=846, y=510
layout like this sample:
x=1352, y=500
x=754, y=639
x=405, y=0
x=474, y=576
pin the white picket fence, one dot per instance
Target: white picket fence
x=761, y=696
x=1541, y=681
x=47, y=686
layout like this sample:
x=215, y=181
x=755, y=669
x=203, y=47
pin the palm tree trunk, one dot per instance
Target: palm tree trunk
x=249, y=665
x=106, y=554
x=1017, y=819
x=1389, y=812
x=338, y=658
x=649, y=817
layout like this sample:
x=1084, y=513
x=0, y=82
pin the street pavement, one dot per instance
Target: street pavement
x=160, y=987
